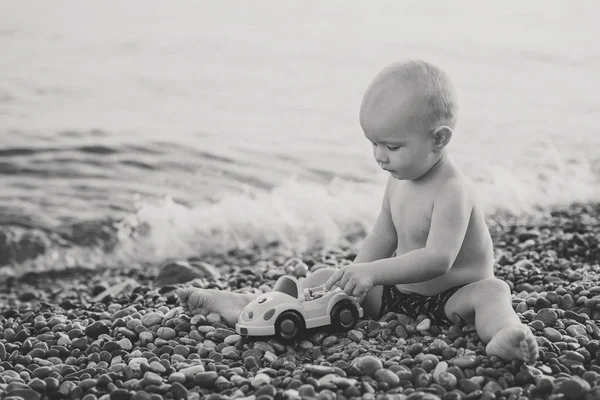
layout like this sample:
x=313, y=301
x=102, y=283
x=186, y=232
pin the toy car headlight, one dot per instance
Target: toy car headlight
x=263, y=300
x=269, y=314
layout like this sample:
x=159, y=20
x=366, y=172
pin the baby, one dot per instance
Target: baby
x=430, y=251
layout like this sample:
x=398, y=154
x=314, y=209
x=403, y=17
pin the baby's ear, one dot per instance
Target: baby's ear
x=442, y=136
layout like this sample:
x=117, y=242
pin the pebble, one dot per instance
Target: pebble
x=214, y=318
x=150, y=378
x=574, y=388
x=157, y=367
x=576, y=330
x=26, y=394
x=387, y=376
x=368, y=365
x=151, y=319
x=222, y=333
x=446, y=380
x=125, y=344
x=232, y=339
x=465, y=362
x=120, y=394
x=190, y=372
x=547, y=316
x=141, y=339
x=96, y=329
x=166, y=333
x=259, y=380
x=552, y=334
x=38, y=385
x=177, y=377
x=424, y=325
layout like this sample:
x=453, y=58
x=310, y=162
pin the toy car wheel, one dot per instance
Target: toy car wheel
x=344, y=315
x=289, y=325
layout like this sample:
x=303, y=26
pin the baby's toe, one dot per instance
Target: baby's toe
x=529, y=347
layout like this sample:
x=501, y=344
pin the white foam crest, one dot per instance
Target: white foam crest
x=299, y=215
x=546, y=179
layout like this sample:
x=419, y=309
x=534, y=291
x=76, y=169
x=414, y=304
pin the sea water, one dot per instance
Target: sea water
x=174, y=129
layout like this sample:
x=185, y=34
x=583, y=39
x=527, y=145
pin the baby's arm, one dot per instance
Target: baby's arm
x=449, y=221
x=383, y=239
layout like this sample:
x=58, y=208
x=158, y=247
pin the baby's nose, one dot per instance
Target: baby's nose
x=381, y=157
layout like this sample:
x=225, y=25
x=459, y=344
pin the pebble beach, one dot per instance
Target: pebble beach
x=119, y=333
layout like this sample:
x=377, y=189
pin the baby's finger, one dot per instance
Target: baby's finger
x=357, y=292
x=343, y=280
x=333, y=279
x=349, y=288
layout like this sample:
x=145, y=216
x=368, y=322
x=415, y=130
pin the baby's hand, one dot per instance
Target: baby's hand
x=355, y=280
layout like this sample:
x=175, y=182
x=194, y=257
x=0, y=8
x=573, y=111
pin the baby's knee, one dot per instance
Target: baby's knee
x=494, y=285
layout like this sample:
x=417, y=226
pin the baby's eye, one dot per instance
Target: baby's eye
x=393, y=148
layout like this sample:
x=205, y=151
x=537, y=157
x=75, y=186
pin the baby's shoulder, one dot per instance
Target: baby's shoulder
x=456, y=185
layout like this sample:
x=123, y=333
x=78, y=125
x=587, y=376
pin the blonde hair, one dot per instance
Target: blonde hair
x=429, y=83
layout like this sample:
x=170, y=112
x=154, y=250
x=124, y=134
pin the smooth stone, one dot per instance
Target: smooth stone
x=189, y=372
x=232, y=339
x=125, y=344
x=205, y=379
x=222, y=333
x=166, y=333
x=446, y=380
x=96, y=329
x=150, y=378
x=177, y=377
x=574, y=388
x=120, y=394
x=41, y=372
x=576, y=330
x=547, y=316
x=259, y=380
x=38, y=385
x=319, y=369
x=214, y=318
x=552, y=334
x=179, y=391
x=465, y=362
x=151, y=319
x=424, y=325
x=173, y=272
x=26, y=394
x=146, y=337
x=387, y=376
x=368, y=365
x=355, y=335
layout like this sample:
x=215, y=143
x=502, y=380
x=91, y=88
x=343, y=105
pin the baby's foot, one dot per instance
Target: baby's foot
x=207, y=301
x=514, y=342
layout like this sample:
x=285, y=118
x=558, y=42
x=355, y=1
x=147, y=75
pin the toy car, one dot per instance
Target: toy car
x=289, y=309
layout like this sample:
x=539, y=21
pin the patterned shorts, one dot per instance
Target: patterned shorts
x=414, y=304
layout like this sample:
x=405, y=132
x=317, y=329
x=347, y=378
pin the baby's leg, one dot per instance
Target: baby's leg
x=229, y=305
x=206, y=301
x=488, y=304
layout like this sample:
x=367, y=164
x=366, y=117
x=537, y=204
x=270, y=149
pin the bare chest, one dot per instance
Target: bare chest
x=411, y=214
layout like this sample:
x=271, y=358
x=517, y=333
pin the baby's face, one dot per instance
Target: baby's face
x=402, y=142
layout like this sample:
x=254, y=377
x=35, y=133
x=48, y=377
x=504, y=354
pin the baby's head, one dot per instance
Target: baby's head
x=408, y=113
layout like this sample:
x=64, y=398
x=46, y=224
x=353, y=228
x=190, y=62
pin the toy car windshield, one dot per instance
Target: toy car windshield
x=287, y=285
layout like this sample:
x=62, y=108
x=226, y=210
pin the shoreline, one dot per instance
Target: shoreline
x=134, y=343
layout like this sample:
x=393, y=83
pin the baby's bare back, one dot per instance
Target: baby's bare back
x=411, y=207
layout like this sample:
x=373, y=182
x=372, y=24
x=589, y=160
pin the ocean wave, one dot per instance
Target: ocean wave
x=296, y=214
